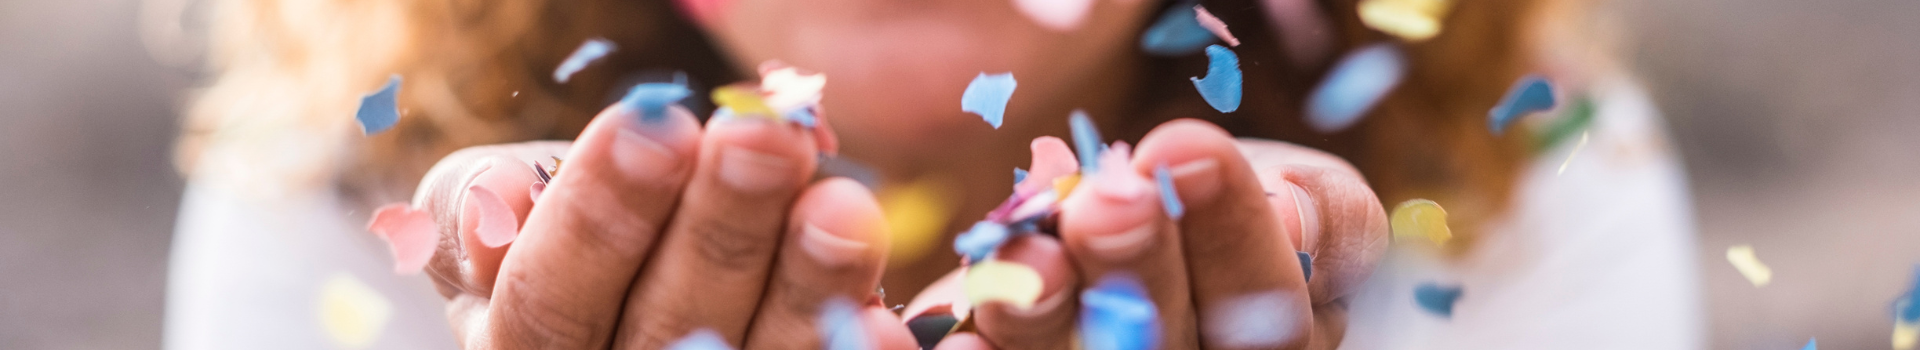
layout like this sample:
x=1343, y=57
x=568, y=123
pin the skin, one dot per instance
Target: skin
x=655, y=230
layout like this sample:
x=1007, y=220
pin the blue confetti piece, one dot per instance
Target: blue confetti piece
x=1086, y=141
x=1116, y=315
x=1911, y=313
x=982, y=239
x=652, y=99
x=701, y=339
x=1176, y=33
x=802, y=116
x=1306, y=264
x=380, y=110
x=840, y=327
x=1437, y=299
x=590, y=51
x=987, y=96
x=1221, y=87
x=1531, y=94
x=1019, y=175
x=1354, y=86
x=1812, y=344
x=1169, y=199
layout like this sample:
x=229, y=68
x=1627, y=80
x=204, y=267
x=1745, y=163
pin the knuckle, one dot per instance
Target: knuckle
x=536, y=318
x=732, y=244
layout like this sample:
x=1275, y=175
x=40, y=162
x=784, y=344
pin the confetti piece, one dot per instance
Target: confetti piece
x=741, y=101
x=929, y=329
x=650, y=100
x=1221, y=87
x=786, y=88
x=1437, y=299
x=1531, y=94
x=1262, y=320
x=380, y=110
x=981, y=240
x=1574, y=121
x=1064, y=185
x=1354, y=86
x=1306, y=264
x=840, y=326
x=1570, y=154
x=1086, y=141
x=1169, y=199
x=987, y=96
x=1812, y=344
x=411, y=233
x=994, y=280
x=1059, y=15
x=1411, y=20
x=1176, y=33
x=701, y=339
x=498, y=225
x=1215, y=25
x=1421, y=218
x=1019, y=175
x=1904, y=334
x=352, y=313
x=589, y=51
x=1116, y=315
x=1910, y=311
x=916, y=213
x=1749, y=265
x=1052, y=159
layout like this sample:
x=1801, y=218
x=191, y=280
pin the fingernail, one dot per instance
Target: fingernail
x=1123, y=245
x=829, y=249
x=640, y=157
x=1304, y=206
x=1045, y=306
x=1121, y=187
x=1198, y=180
x=751, y=172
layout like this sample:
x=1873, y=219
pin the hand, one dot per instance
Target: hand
x=650, y=231
x=1223, y=276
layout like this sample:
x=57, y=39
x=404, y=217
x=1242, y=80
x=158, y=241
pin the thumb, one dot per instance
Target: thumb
x=465, y=213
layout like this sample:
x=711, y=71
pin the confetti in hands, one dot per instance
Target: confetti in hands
x=1116, y=315
x=987, y=96
x=1221, y=87
x=380, y=110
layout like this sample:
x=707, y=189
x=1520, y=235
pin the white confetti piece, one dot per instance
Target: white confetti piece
x=1749, y=265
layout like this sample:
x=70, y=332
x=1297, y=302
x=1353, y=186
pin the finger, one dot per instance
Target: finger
x=1248, y=285
x=1113, y=224
x=1325, y=189
x=562, y=284
x=964, y=341
x=712, y=264
x=476, y=185
x=836, y=247
x=1040, y=325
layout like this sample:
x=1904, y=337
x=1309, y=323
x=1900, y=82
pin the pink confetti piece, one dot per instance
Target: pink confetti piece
x=498, y=224
x=1215, y=25
x=1059, y=15
x=411, y=233
x=1051, y=159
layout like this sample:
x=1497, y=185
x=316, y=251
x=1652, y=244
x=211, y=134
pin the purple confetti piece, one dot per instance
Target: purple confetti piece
x=1306, y=264
x=1116, y=315
x=1530, y=94
x=380, y=110
x=1169, y=199
x=1086, y=141
x=987, y=96
x=1437, y=299
x=1222, y=86
x=590, y=51
x=701, y=339
x=1354, y=86
x=1176, y=33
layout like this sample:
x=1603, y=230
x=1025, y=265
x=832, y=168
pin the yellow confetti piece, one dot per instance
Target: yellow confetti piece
x=1421, y=218
x=1411, y=20
x=1064, y=185
x=743, y=101
x=994, y=280
x=1749, y=265
x=916, y=214
x=352, y=313
x=1904, y=334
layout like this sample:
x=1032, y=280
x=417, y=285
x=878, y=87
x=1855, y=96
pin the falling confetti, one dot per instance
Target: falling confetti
x=1086, y=141
x=1749, y=265
x=1411, y=20
x=1169, y=199
x=1572, y=121
x=981, y=240
x=589, y=51
x=1904, y=334
x=1812, y=344
x=1116, y=315
x=987, y=96
x=916, y=213
x=1531, y=94
x=411, y=233
x=994, y=280
x=840, y=326
x=1177, y=33
x=1576, y=151
x=1306, y=265
x=352, y=313
x=1221, y=87
x=1437, y=299
x=1419, y=218
x=651, y=99
x=701, y=339
x=1059, y=15
x=1215, y=25
x=380, y=110
x=1354, y=86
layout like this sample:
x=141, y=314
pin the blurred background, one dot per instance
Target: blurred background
x=1799, y=121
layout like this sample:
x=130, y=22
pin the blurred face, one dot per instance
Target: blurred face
x=896, y=68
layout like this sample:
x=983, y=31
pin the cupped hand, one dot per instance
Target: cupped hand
x=650, y=231
x=1225, y=275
